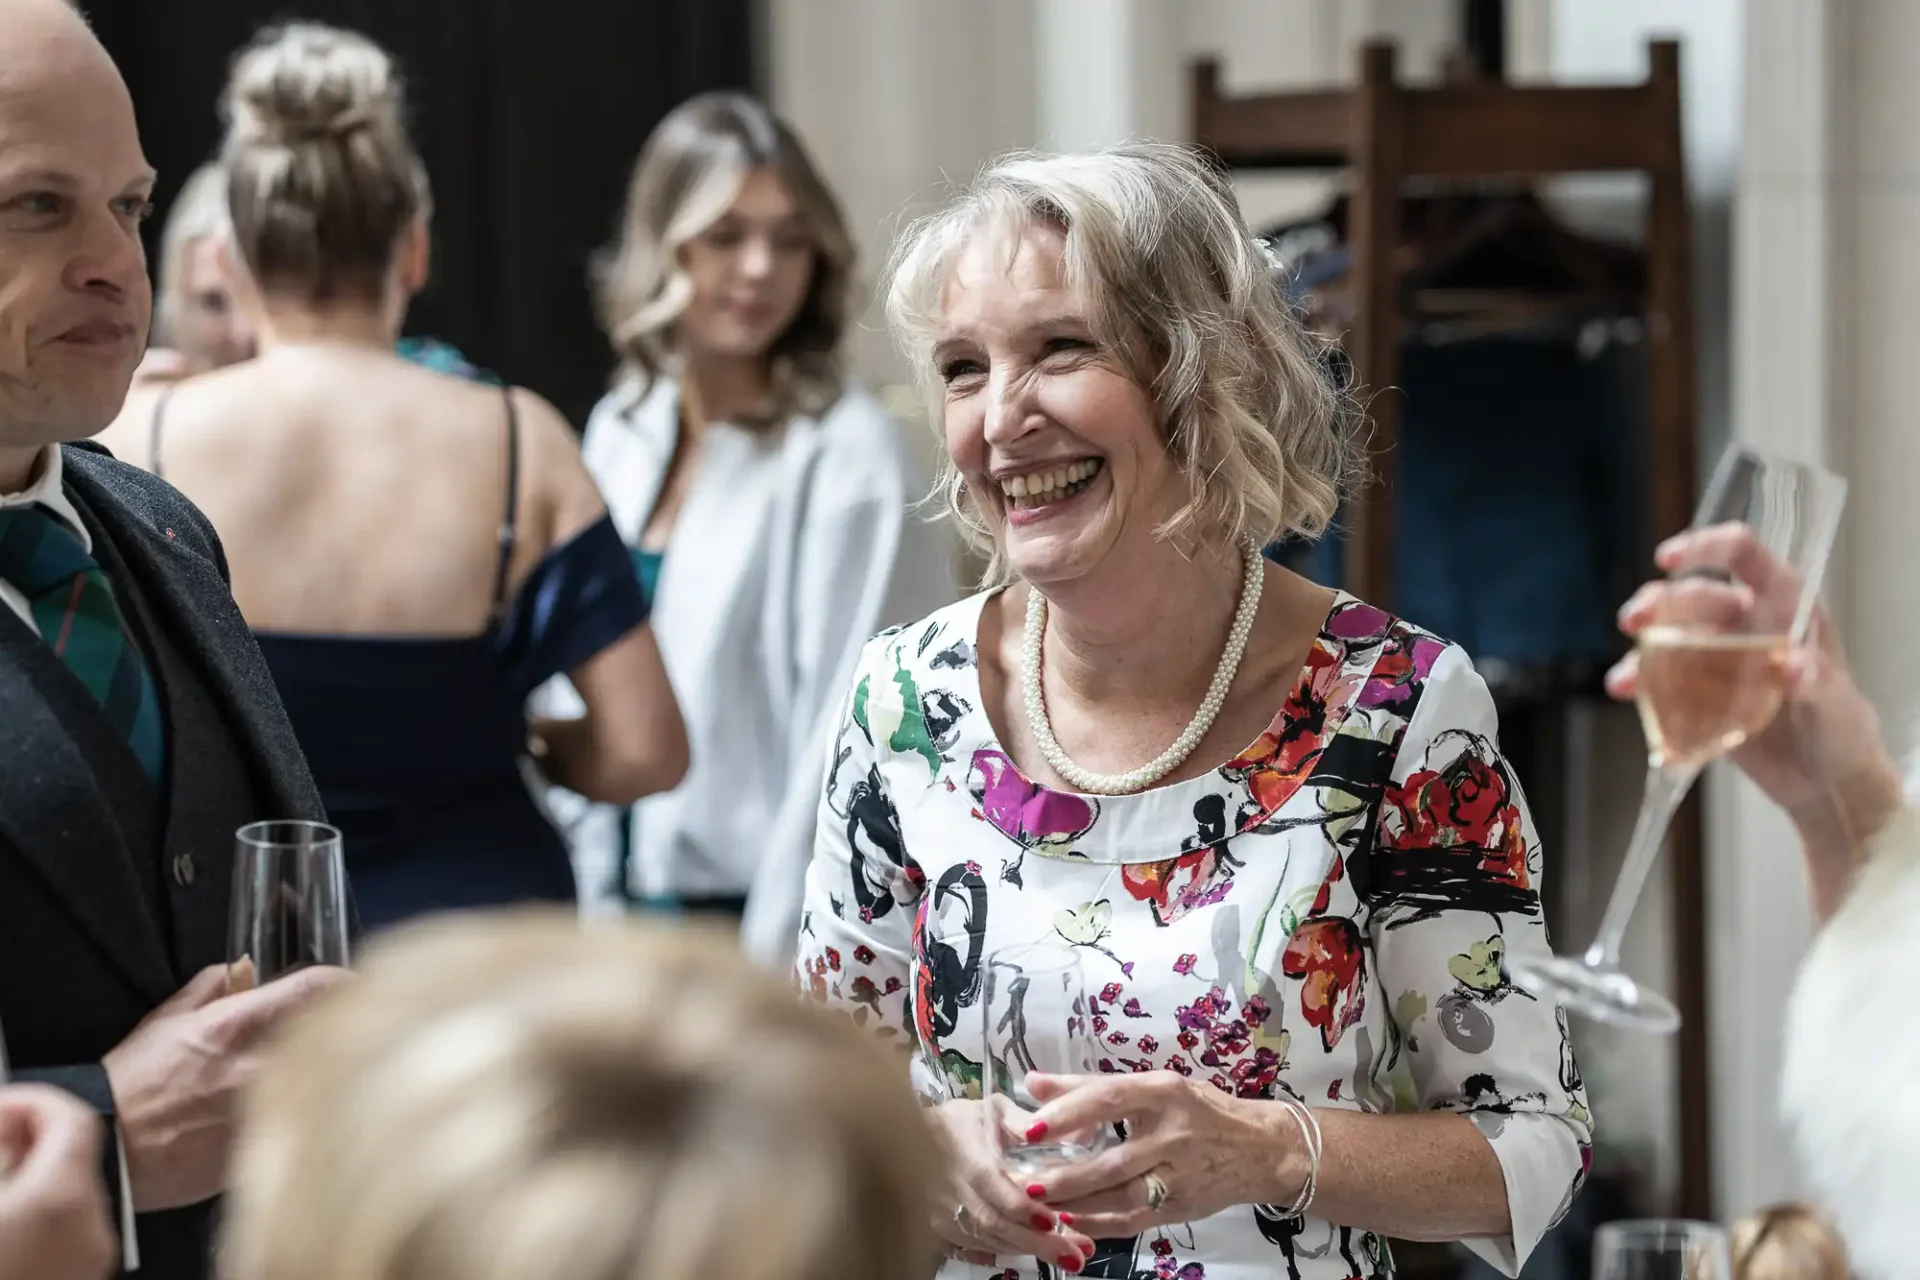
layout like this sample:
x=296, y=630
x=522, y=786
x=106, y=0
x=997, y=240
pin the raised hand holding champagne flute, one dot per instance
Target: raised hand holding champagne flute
x=1720, y=647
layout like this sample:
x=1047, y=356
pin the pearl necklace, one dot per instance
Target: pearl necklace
x=1119, y=784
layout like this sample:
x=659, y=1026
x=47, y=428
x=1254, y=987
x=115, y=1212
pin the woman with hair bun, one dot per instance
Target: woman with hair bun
x=416, y=551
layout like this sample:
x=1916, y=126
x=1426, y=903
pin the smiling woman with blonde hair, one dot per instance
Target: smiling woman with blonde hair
x=516, y=1098
x=1272, y=820
x=764, y=496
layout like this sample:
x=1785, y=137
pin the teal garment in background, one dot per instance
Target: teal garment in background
x=434, y=354
x=647, y=565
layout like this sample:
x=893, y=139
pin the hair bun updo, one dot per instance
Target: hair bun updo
x=311, y=83
x=323, y=178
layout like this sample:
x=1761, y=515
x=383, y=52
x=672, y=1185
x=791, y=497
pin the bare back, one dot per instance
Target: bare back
x=358, y=494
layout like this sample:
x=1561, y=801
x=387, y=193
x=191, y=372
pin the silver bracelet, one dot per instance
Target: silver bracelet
x=1309, y=1134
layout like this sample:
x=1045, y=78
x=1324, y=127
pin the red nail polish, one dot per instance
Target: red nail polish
x=1087, y=1248
x=1067, y=1218
x=1043, y=1222
x=1036, y=1131
x=1071, y=1262
x=1036, y=1192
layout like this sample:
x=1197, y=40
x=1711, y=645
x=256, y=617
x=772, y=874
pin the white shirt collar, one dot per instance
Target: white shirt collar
x=48, y=491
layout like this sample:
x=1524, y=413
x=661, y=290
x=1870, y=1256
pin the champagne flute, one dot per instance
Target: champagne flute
x=1712, y=675
x=1038, y=1016
x=289, y=906
x=1662, y=1250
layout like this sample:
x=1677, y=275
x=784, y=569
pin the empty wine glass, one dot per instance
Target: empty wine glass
x=289, y=906
x=1662, y=1250
x=1711, y=676
x=1038, y=1016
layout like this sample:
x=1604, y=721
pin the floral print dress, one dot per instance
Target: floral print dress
x=1325, y=915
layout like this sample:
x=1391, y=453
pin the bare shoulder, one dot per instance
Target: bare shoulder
x=543, y=428
x=560, y=495
x=1291, y=603
x=129, y=437
x=1287, y=626
x=997, y=638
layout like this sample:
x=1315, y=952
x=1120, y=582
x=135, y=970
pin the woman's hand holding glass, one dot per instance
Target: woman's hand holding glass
x=1208, y=1151
x=1001, y=1217
x=1823, y=754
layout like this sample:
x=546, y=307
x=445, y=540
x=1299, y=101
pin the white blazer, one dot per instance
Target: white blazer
x=794, y=546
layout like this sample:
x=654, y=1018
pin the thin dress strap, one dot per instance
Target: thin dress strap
x=153, y=433
x=509, y=530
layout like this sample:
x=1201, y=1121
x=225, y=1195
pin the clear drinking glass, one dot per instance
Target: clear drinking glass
x=1711, y=677
x=289, y=901
x=1038, y=1012
x=1662, y=1250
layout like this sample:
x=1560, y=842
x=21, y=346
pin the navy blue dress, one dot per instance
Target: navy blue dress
x=416, y=743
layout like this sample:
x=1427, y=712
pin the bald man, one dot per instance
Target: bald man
x=138, y=725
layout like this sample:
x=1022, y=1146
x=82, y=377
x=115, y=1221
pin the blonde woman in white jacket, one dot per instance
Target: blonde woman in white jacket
x=1852, y=1043
x=772, y=510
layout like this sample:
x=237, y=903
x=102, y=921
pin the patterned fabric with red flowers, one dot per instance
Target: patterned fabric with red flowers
x=1326, y=916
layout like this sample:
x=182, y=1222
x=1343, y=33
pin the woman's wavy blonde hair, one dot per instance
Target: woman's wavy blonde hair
x=516, y=1097
x=687, y=176
x=1192, y=305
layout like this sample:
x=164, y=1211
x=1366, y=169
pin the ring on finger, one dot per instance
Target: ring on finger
x=1156, y=1188
x=962, y=1219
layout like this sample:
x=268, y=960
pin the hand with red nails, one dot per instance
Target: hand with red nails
x=1002, y=1218
x=1209, y=1150
x=1822, y=759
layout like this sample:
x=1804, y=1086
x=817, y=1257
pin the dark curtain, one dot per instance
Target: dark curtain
x=528, y=115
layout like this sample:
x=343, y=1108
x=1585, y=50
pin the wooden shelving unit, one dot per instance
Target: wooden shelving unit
x=1382, y=133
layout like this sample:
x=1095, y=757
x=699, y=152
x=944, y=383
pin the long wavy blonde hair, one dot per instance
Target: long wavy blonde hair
x=686, y=177
x=517, y=1097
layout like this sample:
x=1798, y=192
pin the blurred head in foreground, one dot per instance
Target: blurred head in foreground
x=514, y=1097
x=1788, y=1242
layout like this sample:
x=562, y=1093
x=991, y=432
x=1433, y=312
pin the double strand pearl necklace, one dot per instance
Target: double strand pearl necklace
x=1119, y=784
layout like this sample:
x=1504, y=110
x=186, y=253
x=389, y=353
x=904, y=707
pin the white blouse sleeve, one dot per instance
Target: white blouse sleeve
x=1456, y=886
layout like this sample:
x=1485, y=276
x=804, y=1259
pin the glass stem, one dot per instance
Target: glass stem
x=1662, y=795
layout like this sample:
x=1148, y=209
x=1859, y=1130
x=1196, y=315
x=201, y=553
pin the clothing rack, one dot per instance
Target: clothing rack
x=1383, y=133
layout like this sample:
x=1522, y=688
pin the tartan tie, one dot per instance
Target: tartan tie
x=73, y=608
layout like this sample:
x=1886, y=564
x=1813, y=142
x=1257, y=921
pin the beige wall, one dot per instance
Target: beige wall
x=899, y=98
